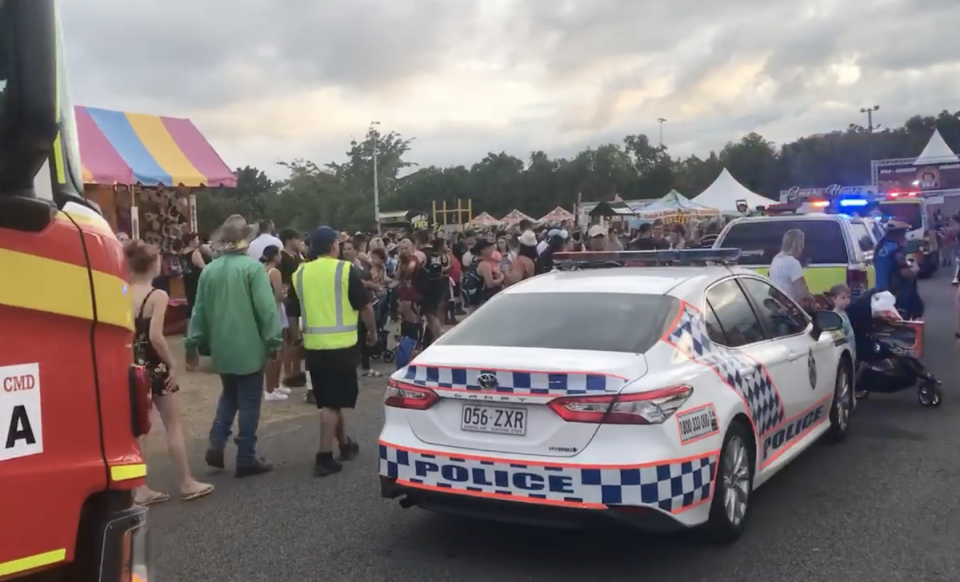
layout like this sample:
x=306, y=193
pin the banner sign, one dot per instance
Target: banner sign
x=926, y=177
x=832, y=191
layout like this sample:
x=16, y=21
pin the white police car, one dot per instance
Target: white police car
x=657, y=396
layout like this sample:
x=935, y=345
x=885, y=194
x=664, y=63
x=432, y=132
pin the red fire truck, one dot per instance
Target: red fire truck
x=71, y=405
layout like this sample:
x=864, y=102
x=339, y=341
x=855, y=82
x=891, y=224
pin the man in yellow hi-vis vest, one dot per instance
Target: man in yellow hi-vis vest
x=333, y=301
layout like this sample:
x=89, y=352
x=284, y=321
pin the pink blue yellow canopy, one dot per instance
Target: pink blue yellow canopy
x=133, y=148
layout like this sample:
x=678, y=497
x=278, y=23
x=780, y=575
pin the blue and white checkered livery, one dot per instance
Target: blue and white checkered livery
x=747, y=377
x=511, y=382
x=671, y=486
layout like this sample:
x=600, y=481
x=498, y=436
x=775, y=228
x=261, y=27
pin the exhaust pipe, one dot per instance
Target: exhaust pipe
x=407, y=503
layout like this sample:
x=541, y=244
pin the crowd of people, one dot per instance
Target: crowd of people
x=261, y=308
x=276, y=311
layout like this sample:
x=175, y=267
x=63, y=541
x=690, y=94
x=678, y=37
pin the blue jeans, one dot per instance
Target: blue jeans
x=240, y=398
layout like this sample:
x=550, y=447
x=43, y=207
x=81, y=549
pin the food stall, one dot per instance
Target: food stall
x=675, y=208
x=144, y=171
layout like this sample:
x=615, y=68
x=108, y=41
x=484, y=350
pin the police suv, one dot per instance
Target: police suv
x=658, y=396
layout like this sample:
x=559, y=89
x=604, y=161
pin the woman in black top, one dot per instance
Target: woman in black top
x=290, y=260
x=152, y=352
x=191, y=263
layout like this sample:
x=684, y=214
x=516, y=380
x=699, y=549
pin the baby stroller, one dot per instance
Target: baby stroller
x=887, y=355
x=381, y=310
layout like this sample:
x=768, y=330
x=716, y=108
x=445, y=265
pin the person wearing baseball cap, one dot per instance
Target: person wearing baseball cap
x=333, y=301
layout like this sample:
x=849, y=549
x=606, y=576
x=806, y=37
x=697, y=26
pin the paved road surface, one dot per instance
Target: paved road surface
x=883, y=507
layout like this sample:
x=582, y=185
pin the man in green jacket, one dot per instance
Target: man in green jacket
x=236, y=316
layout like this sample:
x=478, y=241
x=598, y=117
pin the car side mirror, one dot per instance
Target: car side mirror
x=824, y=320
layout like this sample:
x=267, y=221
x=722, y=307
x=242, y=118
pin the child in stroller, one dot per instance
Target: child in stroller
x=887, y=355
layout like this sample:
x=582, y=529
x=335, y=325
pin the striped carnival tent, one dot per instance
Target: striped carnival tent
x=147, y=150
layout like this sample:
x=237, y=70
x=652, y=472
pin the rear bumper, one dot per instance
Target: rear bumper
x=465, y=505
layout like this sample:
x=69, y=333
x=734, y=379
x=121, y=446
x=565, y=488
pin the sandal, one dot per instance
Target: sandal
x=372, y=374
x=154, y=498
x=207, y=489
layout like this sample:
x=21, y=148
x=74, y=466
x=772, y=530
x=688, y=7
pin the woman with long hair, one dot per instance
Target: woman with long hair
x=273, y=391
x=786, y=271
x=151, y=351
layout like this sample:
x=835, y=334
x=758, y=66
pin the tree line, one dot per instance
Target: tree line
x=341, y=193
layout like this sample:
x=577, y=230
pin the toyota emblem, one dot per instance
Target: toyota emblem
x=487, y=381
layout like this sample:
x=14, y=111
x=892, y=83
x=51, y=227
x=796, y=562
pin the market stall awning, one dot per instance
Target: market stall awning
x=514, y=217
x=558, y=214
x=483, y=219
x=133, y=148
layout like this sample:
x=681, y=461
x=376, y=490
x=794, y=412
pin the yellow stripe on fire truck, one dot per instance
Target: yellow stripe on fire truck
x=39, y=284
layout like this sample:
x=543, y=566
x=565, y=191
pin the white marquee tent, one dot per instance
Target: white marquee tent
x=724, y=193
x=936, y=152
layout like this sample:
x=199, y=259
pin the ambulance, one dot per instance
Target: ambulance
x=72, y=407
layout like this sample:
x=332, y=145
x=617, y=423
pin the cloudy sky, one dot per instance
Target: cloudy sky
x=268, y=81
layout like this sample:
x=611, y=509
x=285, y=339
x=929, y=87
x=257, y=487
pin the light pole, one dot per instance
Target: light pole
x=869, y=111
x=376, y=179
x=661, y=121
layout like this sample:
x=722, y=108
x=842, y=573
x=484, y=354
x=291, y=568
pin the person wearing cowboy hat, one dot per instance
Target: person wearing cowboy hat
x=893, y=272
x=236, y=317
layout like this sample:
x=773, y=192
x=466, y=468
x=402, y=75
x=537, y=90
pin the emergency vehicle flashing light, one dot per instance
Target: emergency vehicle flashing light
x=854, y=202
x=901, y=194
x=820, y=203
x=675, y=258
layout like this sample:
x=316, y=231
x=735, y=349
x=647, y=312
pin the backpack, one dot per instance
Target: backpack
x=471, y=286
x=429, y=273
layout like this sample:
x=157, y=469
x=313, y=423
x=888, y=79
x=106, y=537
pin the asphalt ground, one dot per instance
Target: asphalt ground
x=883, y=506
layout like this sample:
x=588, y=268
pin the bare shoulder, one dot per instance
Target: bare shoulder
x=159, y=297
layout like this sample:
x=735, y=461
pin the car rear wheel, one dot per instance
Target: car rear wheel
x=842, y=408
x=733, y=486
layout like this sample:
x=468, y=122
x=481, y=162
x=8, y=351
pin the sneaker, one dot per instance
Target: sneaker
x=326, y=465
x=955, y=282
x=214, y=459
x=283, y=390
x=257, y=467
x=274, y=396
x=349, y=451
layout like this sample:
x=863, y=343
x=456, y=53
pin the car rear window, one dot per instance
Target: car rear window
x=606, y=322
x=760, y=240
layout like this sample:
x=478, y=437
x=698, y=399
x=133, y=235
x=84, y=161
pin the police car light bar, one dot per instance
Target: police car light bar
x=676, y=258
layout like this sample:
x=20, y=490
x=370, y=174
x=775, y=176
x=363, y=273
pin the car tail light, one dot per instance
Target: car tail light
x=653, y=407
x=857, y=280
x=140, y=400
x=401, y=395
